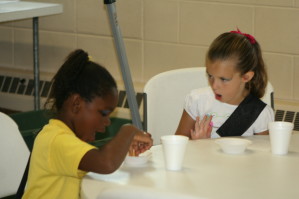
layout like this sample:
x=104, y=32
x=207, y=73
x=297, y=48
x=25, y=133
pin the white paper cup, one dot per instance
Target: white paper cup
x=280, y=136
x=174, y=147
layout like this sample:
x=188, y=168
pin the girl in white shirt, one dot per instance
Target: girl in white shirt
x=236, y=73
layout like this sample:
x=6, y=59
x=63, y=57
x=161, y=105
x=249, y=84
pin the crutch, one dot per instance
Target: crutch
x=122, y=57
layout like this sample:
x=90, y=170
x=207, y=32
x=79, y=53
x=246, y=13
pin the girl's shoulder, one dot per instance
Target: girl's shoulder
x=201, y=92
x=268, y=112
x=201, y=97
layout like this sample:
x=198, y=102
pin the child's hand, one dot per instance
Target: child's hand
x=142, y=141
x=203, y=128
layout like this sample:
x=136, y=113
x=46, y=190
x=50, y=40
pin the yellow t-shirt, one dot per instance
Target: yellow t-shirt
x=53, y=171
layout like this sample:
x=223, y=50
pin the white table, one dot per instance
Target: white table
x=16, y=10
x=209, y=173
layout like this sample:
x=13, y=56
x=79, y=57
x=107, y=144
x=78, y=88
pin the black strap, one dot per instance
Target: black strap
x=22, y=185
x=243, y=117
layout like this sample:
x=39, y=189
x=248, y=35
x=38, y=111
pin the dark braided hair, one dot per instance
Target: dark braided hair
x=248, y=55
x=81, y=76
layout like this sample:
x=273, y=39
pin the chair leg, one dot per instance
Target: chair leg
x=272, y=100
x=144, y=111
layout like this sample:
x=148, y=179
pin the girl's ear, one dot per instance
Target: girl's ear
x=247, y=76
x=76, y=102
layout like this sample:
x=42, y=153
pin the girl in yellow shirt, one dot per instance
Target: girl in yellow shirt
x=83, y=95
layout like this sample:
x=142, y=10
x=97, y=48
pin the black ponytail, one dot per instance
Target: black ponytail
x=79, y=75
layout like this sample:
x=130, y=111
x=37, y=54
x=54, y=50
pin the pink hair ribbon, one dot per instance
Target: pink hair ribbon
x=250, y=37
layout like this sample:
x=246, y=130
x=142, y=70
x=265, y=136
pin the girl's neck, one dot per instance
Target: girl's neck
x=65, y=118
x=239, y=98
x=244, y=95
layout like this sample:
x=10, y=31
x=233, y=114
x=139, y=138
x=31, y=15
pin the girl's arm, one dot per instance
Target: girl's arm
x=262, y=133
x=109, y=157
x=266, y=116
x=186, y=125
x=198, y=129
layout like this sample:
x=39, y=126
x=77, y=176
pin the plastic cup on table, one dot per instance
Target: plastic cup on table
x=280, y=136
x=174, y=148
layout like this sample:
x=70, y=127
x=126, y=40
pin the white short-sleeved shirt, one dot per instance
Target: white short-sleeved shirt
x=201, y=102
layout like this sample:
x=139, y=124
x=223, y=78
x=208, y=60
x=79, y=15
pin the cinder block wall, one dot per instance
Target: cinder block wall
x=159, y=35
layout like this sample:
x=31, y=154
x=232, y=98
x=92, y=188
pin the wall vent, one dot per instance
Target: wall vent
x=23, y=86
x=16, y=93
x=288, y=116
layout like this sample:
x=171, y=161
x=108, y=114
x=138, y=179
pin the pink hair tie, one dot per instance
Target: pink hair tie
x=250, y=37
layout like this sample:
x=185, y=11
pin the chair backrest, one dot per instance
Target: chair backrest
x=14, y=155
x=165, y=95
x=268, y=98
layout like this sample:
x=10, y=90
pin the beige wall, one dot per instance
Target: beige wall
x=160, y=35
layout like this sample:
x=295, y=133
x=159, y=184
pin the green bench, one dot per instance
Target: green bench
x=32, y=121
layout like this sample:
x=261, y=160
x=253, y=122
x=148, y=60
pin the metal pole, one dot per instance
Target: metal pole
x=122, y=57
x=36, y=64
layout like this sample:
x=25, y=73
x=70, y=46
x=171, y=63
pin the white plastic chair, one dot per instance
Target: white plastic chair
x=268, y=98
x=165, y=94
x=14, y=155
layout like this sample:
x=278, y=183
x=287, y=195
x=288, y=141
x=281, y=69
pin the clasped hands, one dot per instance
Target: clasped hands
x=142, y=141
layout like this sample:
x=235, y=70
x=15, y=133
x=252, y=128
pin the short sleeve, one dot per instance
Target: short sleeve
x=261, y=123
x=66, y=154
x=198, y=101
x=190, y=105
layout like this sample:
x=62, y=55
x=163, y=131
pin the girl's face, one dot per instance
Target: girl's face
x=93, y=116
x=226, y=82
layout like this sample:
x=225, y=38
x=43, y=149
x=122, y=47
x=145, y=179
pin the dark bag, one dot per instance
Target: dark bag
x=243, y=117
x=22, y=185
